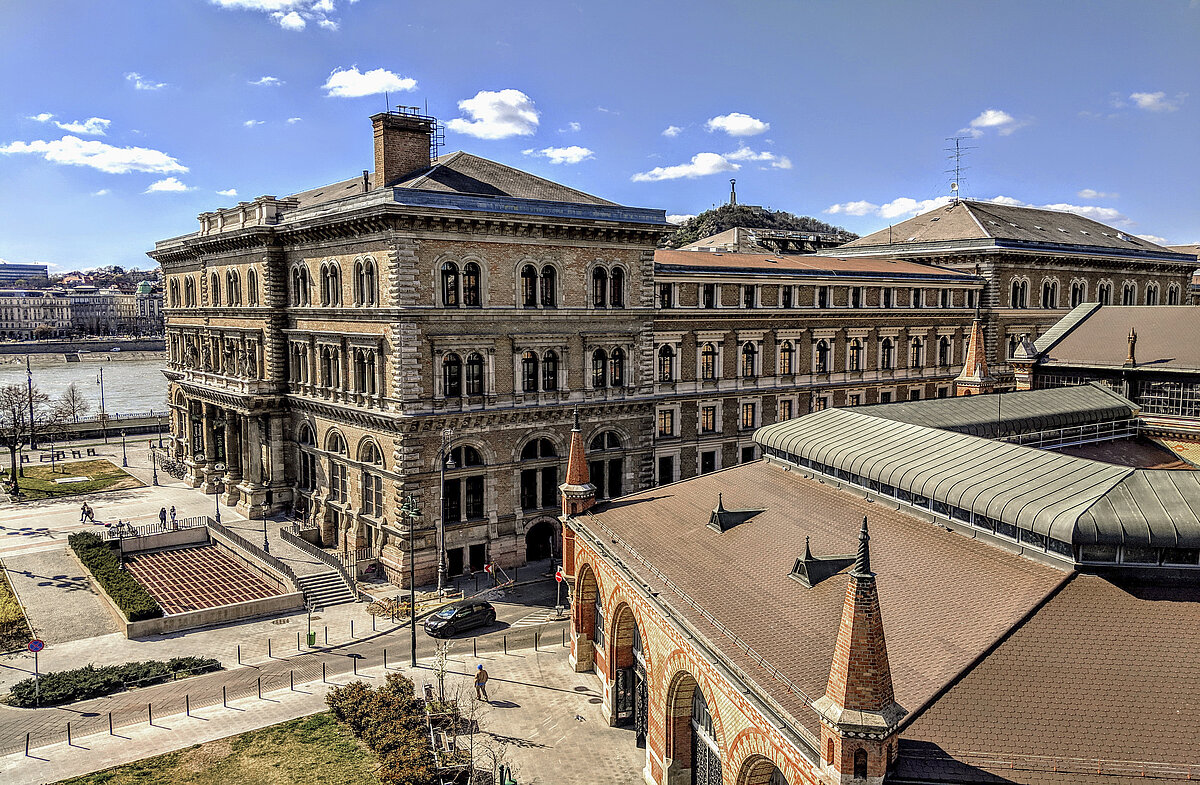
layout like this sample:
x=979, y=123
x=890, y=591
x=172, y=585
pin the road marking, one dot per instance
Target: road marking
x=536, y=619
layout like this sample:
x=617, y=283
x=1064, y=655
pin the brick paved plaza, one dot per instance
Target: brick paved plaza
x=187, y=579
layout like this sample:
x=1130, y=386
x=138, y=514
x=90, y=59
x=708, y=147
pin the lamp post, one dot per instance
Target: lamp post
x=410, y=511
x=153, y=467
x=266, y=544
x=444, y=462
x=220, y=467
x=124, y=455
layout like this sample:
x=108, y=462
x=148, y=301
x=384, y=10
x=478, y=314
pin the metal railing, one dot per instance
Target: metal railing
x=291, y=535
x=219, y=531
x=129, y=530
x=1078, y=434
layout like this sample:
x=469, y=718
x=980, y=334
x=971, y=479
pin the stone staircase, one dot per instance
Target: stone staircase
x=323, y=589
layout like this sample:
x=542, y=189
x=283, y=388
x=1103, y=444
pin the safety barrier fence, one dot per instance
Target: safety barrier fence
x=291, y=535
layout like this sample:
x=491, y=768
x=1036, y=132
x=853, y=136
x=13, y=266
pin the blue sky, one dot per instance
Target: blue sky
x=120, y=121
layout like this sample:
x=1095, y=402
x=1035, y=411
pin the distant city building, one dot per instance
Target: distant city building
x=11, y=273
x=27, y=314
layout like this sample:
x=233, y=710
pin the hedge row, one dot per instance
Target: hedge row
x=93, y=682
x=129, y=595
x=391, y=722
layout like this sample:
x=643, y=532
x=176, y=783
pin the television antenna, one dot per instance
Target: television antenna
x=956, y=151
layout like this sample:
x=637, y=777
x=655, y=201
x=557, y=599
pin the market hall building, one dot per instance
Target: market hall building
x=901, y=593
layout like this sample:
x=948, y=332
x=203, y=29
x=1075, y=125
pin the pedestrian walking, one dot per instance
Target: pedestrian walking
x=162, y=516
x=83, y=512
x=173, y=524
x=481, y=679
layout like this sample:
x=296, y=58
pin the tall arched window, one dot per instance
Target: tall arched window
x=887, y=354
x=1077, y=293
x=706, y=755
x=331, y=285
x=233, y=288
x=1128, y=294
x=821, y=357
x=252, y=287
x=606, y=464
x=617, y=287
x=364, y=371
x=475, y=374
x=599, y=288
x=539, y=484
x=1152, y=294
x=529, y=288
x=666, y=363
x=471, y=286
x=463, y=491
x=372, y=483
x=174, y=298
x=1049, y=294
x=300, y=286
x=1020, y=294
x=749, y=361
x=787, y=359
x=339, y=490
x=1173, y=295
x=549, y=287
x=307, y=476
x=364, y=282
x=944, y=353
x=450, y=285
x=214, y=290
x=616, y=367
x=452, y=376
x=854, y=355
x=916, y=353
x=1104, y=294
x=708, y=362
x=550, y=371
x=860, y=764
x=529, y=372
x=599, y=369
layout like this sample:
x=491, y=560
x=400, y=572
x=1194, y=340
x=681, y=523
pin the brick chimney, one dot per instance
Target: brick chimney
x=859, y=713
x=578, y=493
x=402, y=143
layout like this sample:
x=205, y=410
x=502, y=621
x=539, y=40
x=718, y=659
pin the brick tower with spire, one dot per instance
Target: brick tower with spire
x=859, y=713
x=974, y=378
x=578, y=493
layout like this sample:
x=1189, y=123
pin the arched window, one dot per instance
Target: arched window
x=1128, y=294
x=252, y=287
x=708, y=362
x=916, y=355
x=887, y=354
x=854, y=355
x=233, y=288
x=1173, y=295
x=538, y=448
x=529, y=372
x=549, y=287
x=372, y=483
x=616, y=367
x=944, y=353
x=300, y=286
x=606, y=464
x=749, y=361
x=450, y=285
x=330, y=370
x=599, y=288
x=598, y=621
x=550, y=371
x=339, y=490
x=829, y=751
x=463, y=491
x=706, y=756
x=599, y=369
x=666, y=363
x=174, y=289
x=475, y=374
x=470, y=285
x=214, y=290
x=1078, y=292
x=821, y=357
x=364, y=371
x=1152, y=294
x=617, y=287
x=787, y=358
x=1104, y=294
x=529, y=286
x=860, y=764
x=1049, y=294
x=1020, y=294
x=452, y=376
x=189, y=292
x=331, y=285
x=539, y=485
x=307, y=475
x=364, y=282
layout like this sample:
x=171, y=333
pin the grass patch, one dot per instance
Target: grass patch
x=314, y=750
x=14, y=629
x=39, y=480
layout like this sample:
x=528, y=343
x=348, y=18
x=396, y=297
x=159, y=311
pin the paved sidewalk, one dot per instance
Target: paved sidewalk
x=541, y=714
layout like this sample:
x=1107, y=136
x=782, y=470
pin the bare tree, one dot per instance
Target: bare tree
x=15, y=424
x=71, y=405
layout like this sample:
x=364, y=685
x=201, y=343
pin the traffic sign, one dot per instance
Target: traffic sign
x=36, y=645
x=558, y=576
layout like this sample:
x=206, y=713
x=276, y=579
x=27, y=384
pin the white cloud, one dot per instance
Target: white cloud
x=905, y=207
x=562, y=155
x=1088, y=193
x=267, y=81
x=252, y=123
x=1002, y=122
x=852, y=208
x=701, y=164
x=572, y=126
x=671, y=131
x=350, y=83
x=737, y=124
x=292, y=21
x=101, y=192
x=679, y=218
x=496, y=115
x=1154, y=238
x=328, y=24
x=744, y=153
x=115, y=160
x=294, y=120
x=291, y=15
x=1157, y=102
x=44, y=117
x=142, y=83
x=167, y=185
x=93, y=126
x=1109, y=215
x=227, y=192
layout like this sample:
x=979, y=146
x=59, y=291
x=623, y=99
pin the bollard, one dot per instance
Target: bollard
x=385, y=659
x=327, y=635
x=354, y=664
x=260, y=687
x=292, y=680
x=297, y=640
x=187, y=705
x=69, y=744
x=372, y=624
x=26, y=745
x=150, y=713
x=224, y=698
x=535, y=640
x=269, y=649
x=239, y=654
x=323, y=673
x=474, y=647
x=506, y=644
x=564, y=632
x=352, y=629
x=110, y=728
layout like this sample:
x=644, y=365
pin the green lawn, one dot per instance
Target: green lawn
x=39, y=480
x=314, y=750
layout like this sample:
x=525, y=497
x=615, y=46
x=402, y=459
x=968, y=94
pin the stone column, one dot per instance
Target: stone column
x=233, y=458
x=205, y=475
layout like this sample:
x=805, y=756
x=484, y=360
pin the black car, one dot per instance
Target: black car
x=460, y=616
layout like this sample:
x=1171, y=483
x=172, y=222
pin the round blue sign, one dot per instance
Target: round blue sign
x=35, y=645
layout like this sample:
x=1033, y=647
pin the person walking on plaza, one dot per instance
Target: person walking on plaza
x=162, y=516
x=173, y=526
x=83, y=512
x=481, y=678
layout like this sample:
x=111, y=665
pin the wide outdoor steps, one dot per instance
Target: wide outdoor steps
x=324, y=589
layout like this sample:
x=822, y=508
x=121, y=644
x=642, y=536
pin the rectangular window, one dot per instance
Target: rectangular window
x=549, y=486
x=885, y=396
x=856, y=297
x=666, y=422
x=786, y=296
x=708, y=419
x=708, y=461
x=748, y=454
x=885, y=298
x=666, y=469
x=372, y=495
x=822, y=296
x=474, y=497
x=665, y=300
x=709, y=299
x=914, y=395
x=786, y=409
x=452, y=501
x=943, y=392
x=749, y=296
x=748, y=412
x=915, y=298
x=820, y=403
x=854, y=399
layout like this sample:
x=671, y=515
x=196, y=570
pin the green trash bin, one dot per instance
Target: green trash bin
x=312, y=639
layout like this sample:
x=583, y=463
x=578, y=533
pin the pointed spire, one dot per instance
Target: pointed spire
x=974, y=378
x=862, y=565
x=720, y=503
x=578, y=493
x=807, y=550
x=576, y=428
x=1131, y=360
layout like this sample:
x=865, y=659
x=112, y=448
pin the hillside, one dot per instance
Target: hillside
x=727, y=216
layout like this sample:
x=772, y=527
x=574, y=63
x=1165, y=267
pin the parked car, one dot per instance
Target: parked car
x=463, y=615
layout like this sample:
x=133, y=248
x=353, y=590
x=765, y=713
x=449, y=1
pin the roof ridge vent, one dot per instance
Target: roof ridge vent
x=810, y=570
x=723, y=520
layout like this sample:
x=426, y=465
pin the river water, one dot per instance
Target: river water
x=131, y=386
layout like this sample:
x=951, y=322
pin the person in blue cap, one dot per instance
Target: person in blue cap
x=481, y=677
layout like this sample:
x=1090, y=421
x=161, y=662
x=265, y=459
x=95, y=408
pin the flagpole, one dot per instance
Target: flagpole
x=29, y=374
x=100, y=381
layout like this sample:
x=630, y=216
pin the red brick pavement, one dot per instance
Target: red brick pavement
x=187, y=579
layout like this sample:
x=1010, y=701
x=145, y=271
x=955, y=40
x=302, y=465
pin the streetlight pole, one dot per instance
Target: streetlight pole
x=154, y=466
x=29, y=377
x=266, y=544
x=100, y=381
x=443, y=459
x=124, y=455
x=220, y=467
x=410, y=511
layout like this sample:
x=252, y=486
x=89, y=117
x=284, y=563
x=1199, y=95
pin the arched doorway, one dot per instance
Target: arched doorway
x=759, y=770
x=691, y=734
x=541, y=540
x=631, y=694
x=586, y=610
